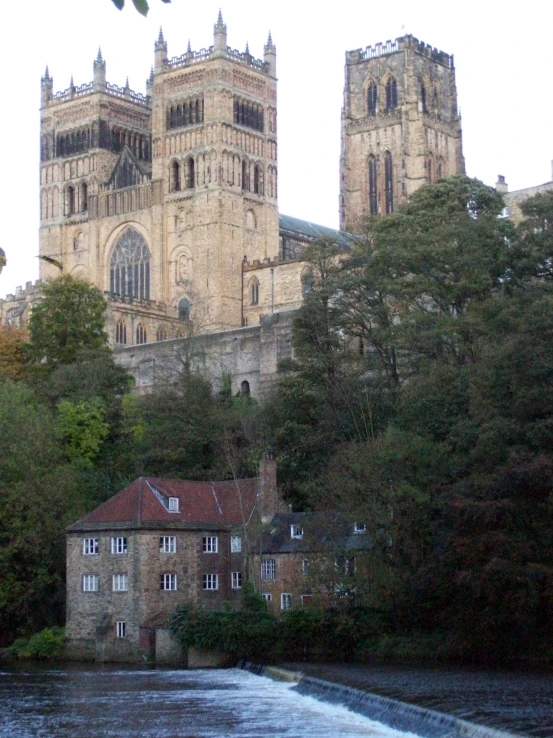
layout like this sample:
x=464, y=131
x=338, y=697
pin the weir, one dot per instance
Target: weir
x=399, y=715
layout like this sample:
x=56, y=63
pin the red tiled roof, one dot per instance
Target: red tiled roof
x=200, y=503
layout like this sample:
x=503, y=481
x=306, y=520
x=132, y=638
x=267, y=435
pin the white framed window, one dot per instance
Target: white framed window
x=268, y=569
x=296, y=531
x=121, y=629
x=173, y=504
x=168, y=544
x=120, y=582
x=91, y=546
x=236, y=579
x=168, y=582
x=119, y=545
x=267, y=596
x=285, y=601
x=359, y=527
x=210, y=544
x=90, y=582
x=211, y=581
x=305, y=566
x=235, y=544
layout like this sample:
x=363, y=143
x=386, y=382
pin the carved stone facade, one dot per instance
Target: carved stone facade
x=167, y=202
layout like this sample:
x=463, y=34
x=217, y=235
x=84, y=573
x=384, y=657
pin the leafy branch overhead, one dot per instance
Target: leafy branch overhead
x=141, y=5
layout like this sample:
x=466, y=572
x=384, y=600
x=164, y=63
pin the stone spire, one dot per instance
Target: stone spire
x=220, y=35
x=46, y=88
x=269, y=56
x=99, y=81
x=160, y=50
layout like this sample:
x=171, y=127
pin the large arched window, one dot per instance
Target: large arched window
x=189, y=174
x=391, y=93
x=130, y=267
x=161, y=334
x=121, y=332
x=175, y=177
x=372, y=98
x=184, y=309
x=373, y=197
x=389, y=182
x=141, y=336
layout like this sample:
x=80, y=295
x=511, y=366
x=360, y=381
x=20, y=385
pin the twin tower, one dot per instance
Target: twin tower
x=168, y=201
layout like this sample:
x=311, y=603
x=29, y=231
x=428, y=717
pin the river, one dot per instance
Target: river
x=85, y=701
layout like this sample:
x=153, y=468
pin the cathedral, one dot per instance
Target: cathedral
x=168, y=201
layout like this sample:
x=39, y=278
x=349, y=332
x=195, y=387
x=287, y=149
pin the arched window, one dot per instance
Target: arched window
x=389, y=182
x=423, y=99
x=307, y=282
x=429, y=171
x=130, y=267
x=257, y=180
x=69, y=200
x=254, y=291
x=184, y=309
x=439, y=169
x=84, y=197
x=121, y=332
x=250, y=220
x=372, y=98
x=189, y=174
x=245, y=388
x=141, y=336
x=161, y=334
x=391, y=93
x=175, y=177
x=373, y=197
x=245, y=174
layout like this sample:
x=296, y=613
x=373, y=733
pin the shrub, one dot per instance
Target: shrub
x=48, y=644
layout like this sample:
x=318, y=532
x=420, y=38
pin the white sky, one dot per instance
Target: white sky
x=503, y=59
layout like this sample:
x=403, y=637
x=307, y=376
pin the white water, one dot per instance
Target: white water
x=81, y=703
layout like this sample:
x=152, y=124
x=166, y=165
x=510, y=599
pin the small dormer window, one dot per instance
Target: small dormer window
x=359, y=528
x=296, y=531
x=173, y=504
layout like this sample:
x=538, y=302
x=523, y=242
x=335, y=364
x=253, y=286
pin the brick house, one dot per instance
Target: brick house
x=160, y=542
x=155, y=544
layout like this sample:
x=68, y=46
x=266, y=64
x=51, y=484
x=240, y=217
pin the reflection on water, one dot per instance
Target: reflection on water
x=101, y=703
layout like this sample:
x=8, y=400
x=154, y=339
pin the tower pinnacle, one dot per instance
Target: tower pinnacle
x=220, y=35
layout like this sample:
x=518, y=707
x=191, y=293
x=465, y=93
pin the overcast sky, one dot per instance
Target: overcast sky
x=503, y=60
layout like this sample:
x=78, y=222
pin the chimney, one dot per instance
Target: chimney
x=501, y=185
x=269, y=501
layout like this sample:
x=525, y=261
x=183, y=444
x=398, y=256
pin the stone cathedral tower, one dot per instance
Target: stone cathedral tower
x=401, y=127
x=160, y=199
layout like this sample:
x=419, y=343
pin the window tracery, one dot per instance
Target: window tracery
x=130, y=266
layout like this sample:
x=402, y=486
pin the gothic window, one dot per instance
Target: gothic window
x=69, y=200
x=373, y=199
x=389, y=182
x=391, y=93
x=84, y=197
x=439, y=169
x=257, y=180
x=423, y=99
x=141, y=334
x=372, y=98
x=121, y=332
x=189, y=174
x=254, y=292
x=161, y=334
x=130, y=267
x=429, y=171
x=245, y=174
x=248, y=114
x=307, y=282
x=184, y=309
x=245, y=388
x=175, y=177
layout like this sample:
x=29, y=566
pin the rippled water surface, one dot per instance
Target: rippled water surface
x=100, y=703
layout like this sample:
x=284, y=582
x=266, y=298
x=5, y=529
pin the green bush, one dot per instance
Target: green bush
x=48, y=644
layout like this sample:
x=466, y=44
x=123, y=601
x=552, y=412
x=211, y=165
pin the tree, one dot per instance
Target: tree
x=69, y=319
x=12, y=341
x=140, y=5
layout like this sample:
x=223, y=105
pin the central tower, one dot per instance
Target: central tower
x=400, y=126
x=214, y=149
